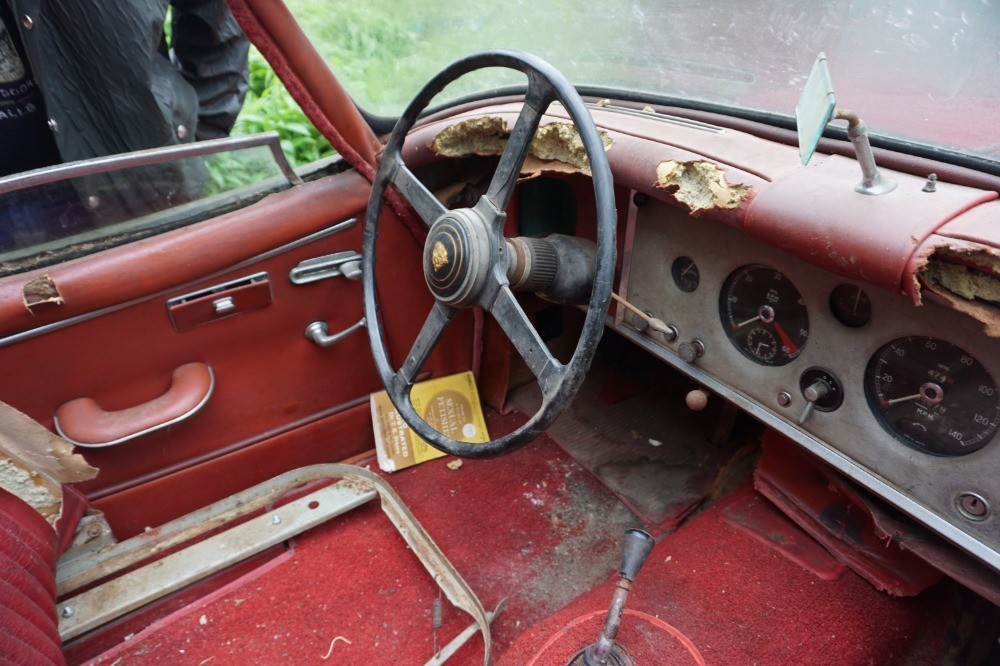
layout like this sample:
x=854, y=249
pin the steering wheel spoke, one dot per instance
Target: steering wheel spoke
x=435, y=324
x=426, y=204
x=537, y=100
x=514, y=322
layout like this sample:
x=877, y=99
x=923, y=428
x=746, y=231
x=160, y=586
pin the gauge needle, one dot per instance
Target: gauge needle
x=765, y=313
x=886, y=403
x=744, y=323
x=930, y=393
x=785, y=340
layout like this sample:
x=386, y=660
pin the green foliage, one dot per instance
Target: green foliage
x=381, y=50
x=269, y=107
x=235, y=169
x=370, y=51
x=384, y=51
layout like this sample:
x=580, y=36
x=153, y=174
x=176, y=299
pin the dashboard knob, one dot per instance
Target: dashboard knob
x=696, y=400
x=640, y=324
x=691, y=351
x=822, y=391
x=813, y=393
x=669, y=332
x=816, y=391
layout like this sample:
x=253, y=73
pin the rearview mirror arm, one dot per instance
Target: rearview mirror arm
x=872, y=181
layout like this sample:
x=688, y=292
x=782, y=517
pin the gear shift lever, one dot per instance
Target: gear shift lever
x=605, y=651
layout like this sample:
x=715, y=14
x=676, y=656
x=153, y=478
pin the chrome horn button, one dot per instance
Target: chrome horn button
x=457, y=257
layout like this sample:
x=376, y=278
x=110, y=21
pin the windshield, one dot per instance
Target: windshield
x=920, y=71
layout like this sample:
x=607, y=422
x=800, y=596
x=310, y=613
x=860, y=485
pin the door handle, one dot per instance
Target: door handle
x=347, y=264
x=318, y=333
x=83, y=423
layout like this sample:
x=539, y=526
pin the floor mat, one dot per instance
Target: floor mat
x=533, y=527
x=628, y=426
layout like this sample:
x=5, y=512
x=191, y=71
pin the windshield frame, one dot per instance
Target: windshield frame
x=383, y=125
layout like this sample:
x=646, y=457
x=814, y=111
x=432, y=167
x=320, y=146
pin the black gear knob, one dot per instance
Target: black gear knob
x=635, y=550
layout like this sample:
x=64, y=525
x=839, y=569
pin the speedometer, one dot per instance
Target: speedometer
x=933, y=395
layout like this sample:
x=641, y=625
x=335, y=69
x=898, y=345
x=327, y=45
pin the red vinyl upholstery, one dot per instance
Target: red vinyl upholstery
x=28, y=552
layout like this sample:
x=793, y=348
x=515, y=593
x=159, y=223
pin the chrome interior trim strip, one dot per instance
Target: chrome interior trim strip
x=57, y=325
x=126, y=592
x=662, y=117
x=183, y=417
x=843, y=464
x=282, y=161
x=216, y=288
x=149, y=157
x=627, y=244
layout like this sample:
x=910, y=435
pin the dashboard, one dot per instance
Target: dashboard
x=902, y=399
x=794, y=298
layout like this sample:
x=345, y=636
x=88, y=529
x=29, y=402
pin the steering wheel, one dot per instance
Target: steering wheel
x=465, y=254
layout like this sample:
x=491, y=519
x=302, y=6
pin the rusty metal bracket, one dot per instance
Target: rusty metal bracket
x=444, y=573
x=451, y=648
x=357, y=486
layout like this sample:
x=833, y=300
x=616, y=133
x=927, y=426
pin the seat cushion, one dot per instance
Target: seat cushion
x=29, y=629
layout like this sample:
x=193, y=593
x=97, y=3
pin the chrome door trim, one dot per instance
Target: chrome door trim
x=148, y=157
x=70, y=321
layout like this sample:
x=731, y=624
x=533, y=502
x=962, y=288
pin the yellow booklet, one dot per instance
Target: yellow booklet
x=450, y=405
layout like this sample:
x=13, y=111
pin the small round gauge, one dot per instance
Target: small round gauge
x=685, y=273
x=850, y=305
x=933, y=395
x=762, y=344
x=764, y=315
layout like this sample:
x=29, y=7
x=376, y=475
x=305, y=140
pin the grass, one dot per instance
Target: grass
x=269, y=107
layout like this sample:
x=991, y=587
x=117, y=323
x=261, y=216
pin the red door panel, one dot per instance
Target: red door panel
x=270, y=381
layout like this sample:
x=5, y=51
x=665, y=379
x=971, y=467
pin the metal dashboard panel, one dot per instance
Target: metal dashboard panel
x=922, y=485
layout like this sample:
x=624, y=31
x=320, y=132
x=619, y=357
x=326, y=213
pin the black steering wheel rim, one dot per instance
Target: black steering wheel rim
x=559, y=383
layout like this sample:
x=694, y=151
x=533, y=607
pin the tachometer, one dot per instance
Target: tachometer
x=764, y=315
x=933, y=395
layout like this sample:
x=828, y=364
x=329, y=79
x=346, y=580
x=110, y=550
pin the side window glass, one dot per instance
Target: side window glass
x=56, y=214
x=206, y=82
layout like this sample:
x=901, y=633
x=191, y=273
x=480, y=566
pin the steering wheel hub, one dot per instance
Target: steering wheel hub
x=458, y=257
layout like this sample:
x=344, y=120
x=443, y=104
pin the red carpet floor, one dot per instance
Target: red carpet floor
x=533, y=527
x=538, y=529
x=740, y=602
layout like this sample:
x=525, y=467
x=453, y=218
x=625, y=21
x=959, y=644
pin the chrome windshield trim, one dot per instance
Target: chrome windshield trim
x=141, y=158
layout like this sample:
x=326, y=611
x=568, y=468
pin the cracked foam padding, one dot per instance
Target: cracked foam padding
x=555, y=142
x=699, y=186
